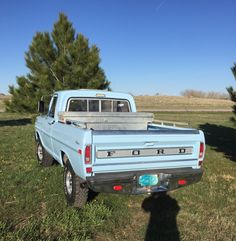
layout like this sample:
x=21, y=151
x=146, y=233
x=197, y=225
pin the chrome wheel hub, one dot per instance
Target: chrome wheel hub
x=69, y=182
x=40, y=152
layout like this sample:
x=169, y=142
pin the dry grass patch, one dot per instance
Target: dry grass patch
x=228, y=177
x=180, y=103
x=2, y=99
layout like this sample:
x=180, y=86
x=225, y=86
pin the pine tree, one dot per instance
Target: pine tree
x=58, y=60
x=232, y=92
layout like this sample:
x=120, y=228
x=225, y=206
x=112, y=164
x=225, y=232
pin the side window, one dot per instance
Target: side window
x=51, y=112
x=106, y=105
x=120, y=106
x=93, y=105
x=78, y=105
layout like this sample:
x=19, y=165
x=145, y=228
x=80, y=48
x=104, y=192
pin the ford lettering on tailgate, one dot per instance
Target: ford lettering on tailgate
x=144, y=152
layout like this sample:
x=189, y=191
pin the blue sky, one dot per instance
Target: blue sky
x=147, y=47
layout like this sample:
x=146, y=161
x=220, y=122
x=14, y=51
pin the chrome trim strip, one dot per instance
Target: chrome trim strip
x=144, y=152
x=161, y=131
x=139, y=163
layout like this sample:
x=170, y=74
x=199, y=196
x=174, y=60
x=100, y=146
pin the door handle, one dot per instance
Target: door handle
x=51, y=122
x=149, y=143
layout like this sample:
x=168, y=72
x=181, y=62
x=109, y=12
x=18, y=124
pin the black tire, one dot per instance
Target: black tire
x=75, y=188
x=43, y=157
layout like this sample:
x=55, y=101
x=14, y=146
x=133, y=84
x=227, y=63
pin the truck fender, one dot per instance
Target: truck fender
x=38, y=137
x=66, y=158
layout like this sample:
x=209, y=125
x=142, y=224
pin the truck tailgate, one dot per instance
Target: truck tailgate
x=116, y=151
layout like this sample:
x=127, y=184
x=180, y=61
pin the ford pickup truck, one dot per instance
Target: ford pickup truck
x=104, y=145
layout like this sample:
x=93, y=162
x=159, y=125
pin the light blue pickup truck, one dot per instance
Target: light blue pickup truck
x=104, y=145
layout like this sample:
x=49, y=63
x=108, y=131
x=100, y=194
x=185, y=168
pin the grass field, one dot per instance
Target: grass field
x=33, y=205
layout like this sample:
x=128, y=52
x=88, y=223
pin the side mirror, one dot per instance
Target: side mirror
x=41, y=106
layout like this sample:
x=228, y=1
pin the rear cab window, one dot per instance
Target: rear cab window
x=93, y=105
x=106, y=106
x=98, y=105
x=120, y=106
x=78, y=105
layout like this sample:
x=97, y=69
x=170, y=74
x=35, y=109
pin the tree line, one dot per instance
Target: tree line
x=232, y=92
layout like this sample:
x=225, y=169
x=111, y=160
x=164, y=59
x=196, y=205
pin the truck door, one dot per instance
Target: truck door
x=49, y=124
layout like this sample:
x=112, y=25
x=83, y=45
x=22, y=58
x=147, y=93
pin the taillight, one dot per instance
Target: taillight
x=201, y=150
x=87, y=158
x=117, y=188
x=182, y=182
x=89, y=170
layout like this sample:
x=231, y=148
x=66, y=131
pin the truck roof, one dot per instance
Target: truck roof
x=93, y=93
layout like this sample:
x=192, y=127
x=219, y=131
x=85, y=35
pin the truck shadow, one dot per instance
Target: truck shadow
x=221, y=138
x=92, y=195
x=162, y=224
x=16, y=122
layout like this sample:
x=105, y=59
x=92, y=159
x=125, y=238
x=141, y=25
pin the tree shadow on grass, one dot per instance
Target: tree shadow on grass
x=16, y=122
x=162, y=223
x=222, y=138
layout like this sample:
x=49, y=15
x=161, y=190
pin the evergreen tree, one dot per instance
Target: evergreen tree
x=232, y=92
x=60, y=60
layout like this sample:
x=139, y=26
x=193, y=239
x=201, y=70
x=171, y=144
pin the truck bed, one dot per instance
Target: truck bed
x=130, y=141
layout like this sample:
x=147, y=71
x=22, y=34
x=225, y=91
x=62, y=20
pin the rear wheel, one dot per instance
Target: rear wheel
x=75, y=188
x=43, y=157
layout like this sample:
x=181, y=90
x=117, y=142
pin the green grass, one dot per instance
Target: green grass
x=33, y=206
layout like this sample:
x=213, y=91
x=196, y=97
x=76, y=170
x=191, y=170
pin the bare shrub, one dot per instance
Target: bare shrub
x=202, y=94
